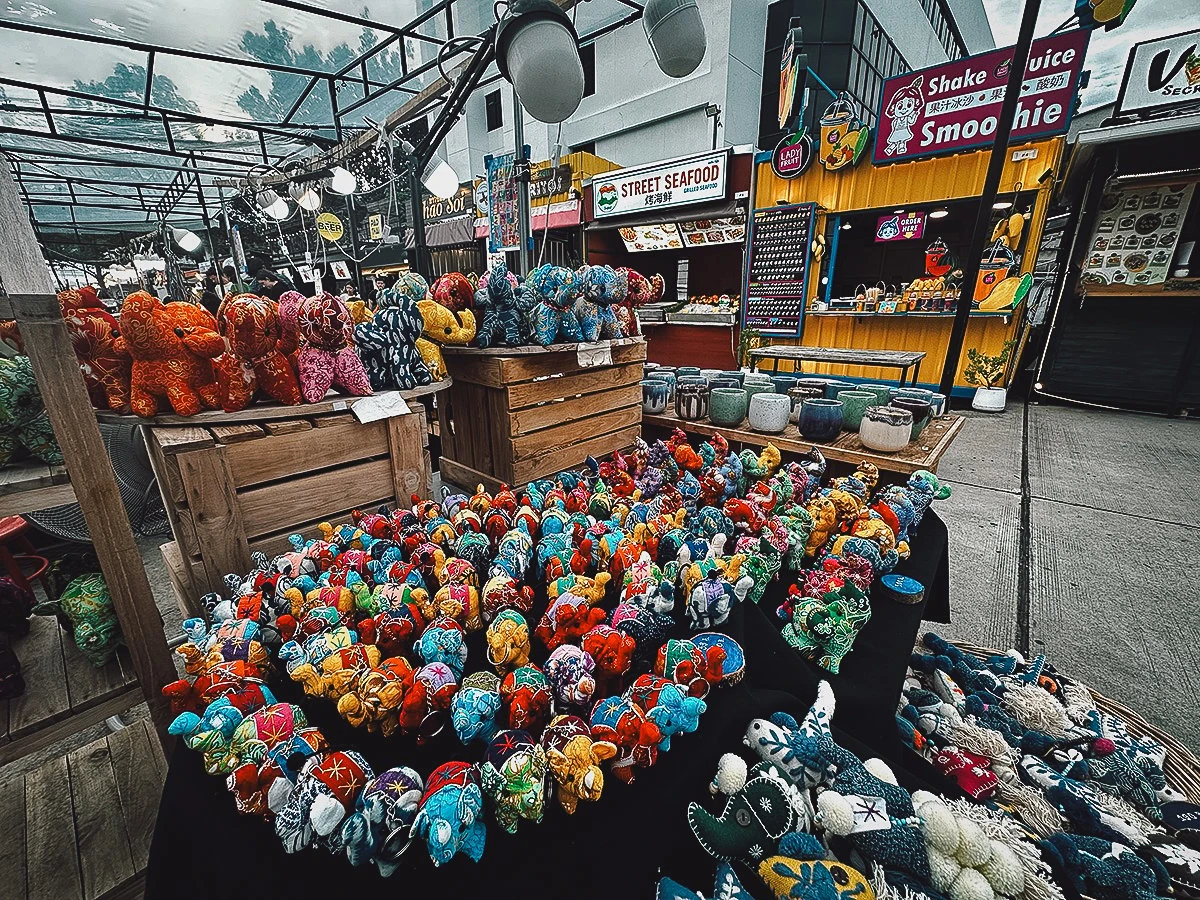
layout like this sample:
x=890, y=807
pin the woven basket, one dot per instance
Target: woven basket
x=1182, y=768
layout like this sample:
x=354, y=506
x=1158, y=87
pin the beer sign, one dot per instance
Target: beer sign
x=329, y=226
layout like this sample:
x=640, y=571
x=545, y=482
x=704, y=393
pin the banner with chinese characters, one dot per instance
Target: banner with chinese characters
x=672, y=183
x=1136, y=234
x=503, y=223
x=954, y=106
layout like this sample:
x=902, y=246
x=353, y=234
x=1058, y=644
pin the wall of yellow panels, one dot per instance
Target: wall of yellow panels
x=921, y=182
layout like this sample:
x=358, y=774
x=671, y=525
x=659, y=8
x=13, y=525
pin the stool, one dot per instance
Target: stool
x=12, y=529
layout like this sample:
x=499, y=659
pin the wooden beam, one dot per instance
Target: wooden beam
x=27, y=281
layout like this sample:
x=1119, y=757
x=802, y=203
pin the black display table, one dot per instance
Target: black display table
x=618, y=846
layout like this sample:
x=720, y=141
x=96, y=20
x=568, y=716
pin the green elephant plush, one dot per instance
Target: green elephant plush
x=85, y=610
x=24, y=425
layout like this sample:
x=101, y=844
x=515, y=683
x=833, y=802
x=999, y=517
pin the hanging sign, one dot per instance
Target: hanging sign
x=843, y=135
x=375, y=227
x=329, y=226
x=954, y=106
x=434, y=209
x=1161, y=73
x=1137, y=231
x=793, y=155
x=906, y=226
x=503, y=224
x=546, y=180
x=673, y=183
x=793, y=75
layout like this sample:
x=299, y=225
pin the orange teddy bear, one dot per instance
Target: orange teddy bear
x=172, y=346
x=254, y=334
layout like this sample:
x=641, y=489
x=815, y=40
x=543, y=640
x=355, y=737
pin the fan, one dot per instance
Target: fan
x=135, y=479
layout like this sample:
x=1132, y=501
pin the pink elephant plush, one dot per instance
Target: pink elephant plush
x=327, y=358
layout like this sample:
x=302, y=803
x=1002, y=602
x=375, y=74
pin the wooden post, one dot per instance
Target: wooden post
x=35, y=307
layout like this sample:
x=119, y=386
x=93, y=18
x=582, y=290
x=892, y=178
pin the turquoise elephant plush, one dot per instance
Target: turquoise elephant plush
x=605, y=288
x=553, y=317
x=475, y=707
x=387, y=804
x=212, y=732
x=675, y=713
x=450, y=818
x=924, y=488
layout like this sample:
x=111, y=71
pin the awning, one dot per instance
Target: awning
x=1087, y=143
x=448, y=232
x=722, y=210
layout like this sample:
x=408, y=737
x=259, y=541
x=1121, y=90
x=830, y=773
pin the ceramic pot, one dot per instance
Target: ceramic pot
x=649, y=366
x=922, y=412
x=854, y=404
x=799, y=394
x=885, y=428
x=725, y=383
x=736, y=374
x=915, y=393
x=833, y=388
x=691, y=401
x=687, y=370
x=769, y=413
x=813, y=381
x=882, y=392
x=990, y=399
x=667, y=378
x=784, y=383
x=671, y=369
x=727, y=406
x=757, y=387
x=938, y=402
x=690, y=379
x=710, y=374
x=821, y=420
x=654, y=396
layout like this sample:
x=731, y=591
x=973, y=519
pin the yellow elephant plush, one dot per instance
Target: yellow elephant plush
x=442, y=326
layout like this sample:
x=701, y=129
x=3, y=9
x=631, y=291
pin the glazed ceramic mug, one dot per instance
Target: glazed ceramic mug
x=799, y=394
x=690, y=379
x=687, y=370
x=821, y=419
x=784, y=383
x=833, y=387
x=938, y=402
x=654, y=396
x=922, y=412
x=667, y=378
x=769, y=412
x=736, y=374
x=691, y=401
x=752, y=387
x=727, y=406
x=915, y=393
x=723, y=382
x=885, y=428
x=710, y=374
x=854, y=404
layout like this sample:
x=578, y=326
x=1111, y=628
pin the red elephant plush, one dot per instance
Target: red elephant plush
x=253, y=362
x=172, y=346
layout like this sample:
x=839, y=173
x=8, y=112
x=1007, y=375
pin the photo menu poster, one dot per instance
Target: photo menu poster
x=1137, y=231
x=777, y=277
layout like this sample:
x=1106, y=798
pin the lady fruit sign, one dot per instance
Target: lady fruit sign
x=953, y=107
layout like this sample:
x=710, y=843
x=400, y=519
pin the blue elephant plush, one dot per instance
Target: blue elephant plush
x=606, y=288
x=555, y=290
x=675, y=713
x=449, y=819
x=504, y=310
x=475, y=707
x=387, y=804
x=388, y=342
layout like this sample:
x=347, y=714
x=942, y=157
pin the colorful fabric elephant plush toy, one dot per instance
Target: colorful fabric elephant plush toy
x=642, y=290
x=442, y=326
x=454, y=291
x=556, y=290
x=388, y=343
x=504, y=312
x=574, y=758
x=514, y=777
x=607, y=289
x=24, y=424
x=172, y=346
x=253, y=361
x=450, y=817
x=85, y=610
x=327, y=358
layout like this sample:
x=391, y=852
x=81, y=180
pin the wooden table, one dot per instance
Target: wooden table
x=923, y=453
x=888, y=359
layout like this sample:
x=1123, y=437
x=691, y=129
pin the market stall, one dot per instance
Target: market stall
x=686, y=219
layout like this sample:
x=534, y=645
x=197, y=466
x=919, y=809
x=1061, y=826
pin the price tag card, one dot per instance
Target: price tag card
x=380, y=406
x=599, y=354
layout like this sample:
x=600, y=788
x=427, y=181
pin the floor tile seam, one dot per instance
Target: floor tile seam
x=1115, y=512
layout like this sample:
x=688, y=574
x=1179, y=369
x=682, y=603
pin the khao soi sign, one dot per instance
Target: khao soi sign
x=955, y=106
x=672, y=183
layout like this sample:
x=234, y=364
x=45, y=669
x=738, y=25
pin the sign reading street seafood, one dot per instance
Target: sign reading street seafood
x=955, y=106
x=673, y=183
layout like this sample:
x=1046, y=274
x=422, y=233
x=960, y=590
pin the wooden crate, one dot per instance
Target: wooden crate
x=516, y=414
x=231, y=489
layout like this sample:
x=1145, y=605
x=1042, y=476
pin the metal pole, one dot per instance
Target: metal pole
x=420, y=258
x=991, y=184
x=522, y=185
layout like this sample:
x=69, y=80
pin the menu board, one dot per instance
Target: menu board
x=777, y=277
x=714, y=231
x=1137, y=231
x=651, y=237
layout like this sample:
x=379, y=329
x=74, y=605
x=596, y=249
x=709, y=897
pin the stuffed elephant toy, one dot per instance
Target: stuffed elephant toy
x=325, y=793
x=442, y=326
x=387, y=804
x=444, y=641
x=526, y=695
x=606, y=289
x=667, y=707
x=210, y=733
x=388, y=342
x=622, y=723
x=85, y=610
x=553, y=317
x=574, y=756
x=265, y=788
x=824, y=628
x=24, y=423
x=474, y=709
x=571, y=673
x=450, y=817
x=503, y=308
x=261, y=731
x=508, y=641
x=513, y=775
x=761, y=808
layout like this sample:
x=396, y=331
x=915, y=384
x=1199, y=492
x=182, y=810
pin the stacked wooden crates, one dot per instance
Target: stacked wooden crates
x=243, y=486
x=516, y=414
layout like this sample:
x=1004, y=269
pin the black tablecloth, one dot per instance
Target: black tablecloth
x=619, y=845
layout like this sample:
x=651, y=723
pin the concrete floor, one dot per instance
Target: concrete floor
x=1113, y=517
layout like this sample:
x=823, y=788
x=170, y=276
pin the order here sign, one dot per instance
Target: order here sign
x=955, y=106
x=671, y=183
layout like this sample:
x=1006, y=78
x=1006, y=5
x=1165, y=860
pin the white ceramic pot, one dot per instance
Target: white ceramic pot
x=769, y=412
x=885, y=428
x=990, y=399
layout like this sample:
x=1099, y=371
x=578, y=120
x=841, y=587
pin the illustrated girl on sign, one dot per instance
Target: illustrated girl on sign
x=904, y=109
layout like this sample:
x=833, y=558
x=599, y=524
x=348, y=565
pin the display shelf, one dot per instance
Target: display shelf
x=910, y=315
x=80, y=825
x=29, y=486
x=532, y=349
x=64, y=693
x=924, y=453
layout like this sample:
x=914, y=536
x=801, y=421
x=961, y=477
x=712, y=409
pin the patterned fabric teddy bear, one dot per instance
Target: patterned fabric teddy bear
x=172, y=346
x=253, y=361
x=388, y=343
x=327, y=358
x=24, y=424
x=504, y=310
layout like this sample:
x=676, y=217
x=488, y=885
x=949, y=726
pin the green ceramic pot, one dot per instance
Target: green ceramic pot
x=832, y=388
x=752, y=387
x=727, y=406
x=882, y=392
x=854, y=404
